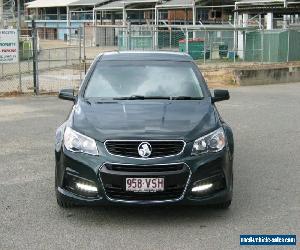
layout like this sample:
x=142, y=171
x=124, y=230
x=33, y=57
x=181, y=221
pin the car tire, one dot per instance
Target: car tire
x=223, y=205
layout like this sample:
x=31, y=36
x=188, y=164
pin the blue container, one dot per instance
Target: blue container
x=232, y=54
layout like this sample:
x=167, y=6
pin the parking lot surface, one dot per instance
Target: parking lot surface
x=266, y=124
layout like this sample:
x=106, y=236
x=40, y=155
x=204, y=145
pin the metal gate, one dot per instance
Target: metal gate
x=46, y=63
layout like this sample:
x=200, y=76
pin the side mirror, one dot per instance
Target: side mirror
x=220, y=95
x=67, y=94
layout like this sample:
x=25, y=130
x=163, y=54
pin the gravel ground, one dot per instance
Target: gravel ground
x=266, y=124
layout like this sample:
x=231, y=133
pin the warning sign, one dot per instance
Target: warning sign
x=8, y=46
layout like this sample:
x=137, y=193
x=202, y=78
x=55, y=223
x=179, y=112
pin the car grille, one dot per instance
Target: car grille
x=168, y=194
x=130, y=148
x=113, y=177
x=149, y=168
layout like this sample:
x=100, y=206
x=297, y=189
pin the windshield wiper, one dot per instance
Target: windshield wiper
x=186, y=98
x=141, y=97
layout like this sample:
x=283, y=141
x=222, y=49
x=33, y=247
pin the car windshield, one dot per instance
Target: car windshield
x=144, y=79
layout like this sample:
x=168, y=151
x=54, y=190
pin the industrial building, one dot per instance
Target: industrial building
x=58, y=13
x=54, y=14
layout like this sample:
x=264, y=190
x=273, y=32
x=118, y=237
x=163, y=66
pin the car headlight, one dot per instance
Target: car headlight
x=77, y=142
x=213, y=142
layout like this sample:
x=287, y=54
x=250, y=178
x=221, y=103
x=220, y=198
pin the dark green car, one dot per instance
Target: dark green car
x=144, y=130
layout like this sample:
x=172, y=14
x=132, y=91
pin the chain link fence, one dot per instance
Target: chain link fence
x=59, y=68
x=60, y=57
x=206, y=44
x=58, y=65
x=162, y=38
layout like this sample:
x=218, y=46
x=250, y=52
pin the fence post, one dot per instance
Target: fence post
x=79, y=47
x=79, y=42
x=210, y=46
x=204, y=47
x=262, y=46
x=28, y=64
x=244, y=45
x=153, y=37
x=84, y=44
x=235, y=49
x=129, y=36
x=34, y=59
x=19, y=58
x=170, y=38
x=186, y=40
x=288, y=47
x=49, y=58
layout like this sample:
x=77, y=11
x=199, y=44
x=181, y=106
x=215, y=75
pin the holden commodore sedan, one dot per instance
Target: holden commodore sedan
x=144, y=129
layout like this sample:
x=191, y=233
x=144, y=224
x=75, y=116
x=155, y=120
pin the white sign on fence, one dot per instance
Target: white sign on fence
x=8, y=46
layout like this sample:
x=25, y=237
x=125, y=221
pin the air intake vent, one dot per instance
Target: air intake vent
x=158, y=148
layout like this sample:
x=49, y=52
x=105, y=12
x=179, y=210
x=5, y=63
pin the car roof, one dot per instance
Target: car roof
x=145, y=56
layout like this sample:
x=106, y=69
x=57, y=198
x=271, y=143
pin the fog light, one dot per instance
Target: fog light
x=202, y=188
x=208, y=186
x=86, y=187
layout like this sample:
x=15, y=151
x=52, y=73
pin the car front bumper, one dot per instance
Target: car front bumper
x=213, y=168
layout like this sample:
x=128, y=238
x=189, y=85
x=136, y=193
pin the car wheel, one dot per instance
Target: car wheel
x=223, y=205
